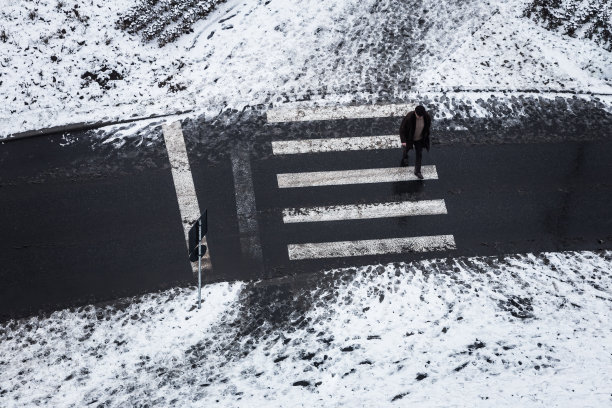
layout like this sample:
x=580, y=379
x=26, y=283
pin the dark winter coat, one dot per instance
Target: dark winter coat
x=408, y=126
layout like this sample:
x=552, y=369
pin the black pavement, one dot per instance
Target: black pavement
x=87, y=222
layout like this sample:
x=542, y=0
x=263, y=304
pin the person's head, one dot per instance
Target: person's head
x=420, y=111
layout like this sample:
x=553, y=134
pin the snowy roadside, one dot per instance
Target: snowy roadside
x=66, y=62
x=524, y=330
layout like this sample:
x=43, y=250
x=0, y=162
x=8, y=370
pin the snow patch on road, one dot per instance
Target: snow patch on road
x=512, y=331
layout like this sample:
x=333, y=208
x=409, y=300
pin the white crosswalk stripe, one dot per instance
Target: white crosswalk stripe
x=296, y=114
x=371, y=247
x=360, y=176
x=183, y=184
x=364, y=211
x=335, y=144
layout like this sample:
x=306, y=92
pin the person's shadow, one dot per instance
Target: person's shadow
x=407, y=190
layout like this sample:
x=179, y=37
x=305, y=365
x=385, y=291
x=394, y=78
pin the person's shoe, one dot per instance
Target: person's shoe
x=419, y=175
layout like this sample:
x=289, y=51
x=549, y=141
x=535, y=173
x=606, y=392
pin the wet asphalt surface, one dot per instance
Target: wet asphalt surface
x=84, y=221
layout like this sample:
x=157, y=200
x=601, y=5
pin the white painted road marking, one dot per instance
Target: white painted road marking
x=293, y=114
x=245, y=206
x=349, y=177
x=361, y=176
x=183, y=184
x=364, y=211
x=336, y=144
x=371, y=247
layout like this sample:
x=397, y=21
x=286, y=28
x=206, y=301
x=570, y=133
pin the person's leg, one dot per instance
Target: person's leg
x=404, y=156
x=418, y=148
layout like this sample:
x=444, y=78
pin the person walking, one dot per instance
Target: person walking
x=414, y=132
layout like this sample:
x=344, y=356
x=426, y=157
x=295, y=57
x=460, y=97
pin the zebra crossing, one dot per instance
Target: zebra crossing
x=316, y=215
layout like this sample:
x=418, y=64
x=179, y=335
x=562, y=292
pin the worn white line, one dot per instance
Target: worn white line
x=364, y=211
x=339, y=144
x=361, y=176
x=245, y=207
x=183, y=184
x=296, y=114
x=371, y=247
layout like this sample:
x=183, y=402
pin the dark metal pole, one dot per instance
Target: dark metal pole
x=199, y=262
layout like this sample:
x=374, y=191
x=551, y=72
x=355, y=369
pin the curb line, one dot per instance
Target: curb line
x=73, y=127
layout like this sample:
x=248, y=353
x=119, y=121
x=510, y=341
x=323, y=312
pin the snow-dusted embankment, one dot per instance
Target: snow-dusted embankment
x=518, y=331
x=66, y=61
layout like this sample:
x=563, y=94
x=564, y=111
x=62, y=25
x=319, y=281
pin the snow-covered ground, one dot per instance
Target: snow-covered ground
x=66, y=61
x=519, y=331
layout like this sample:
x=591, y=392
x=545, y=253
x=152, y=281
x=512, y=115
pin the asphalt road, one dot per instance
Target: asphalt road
x=84, y=222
